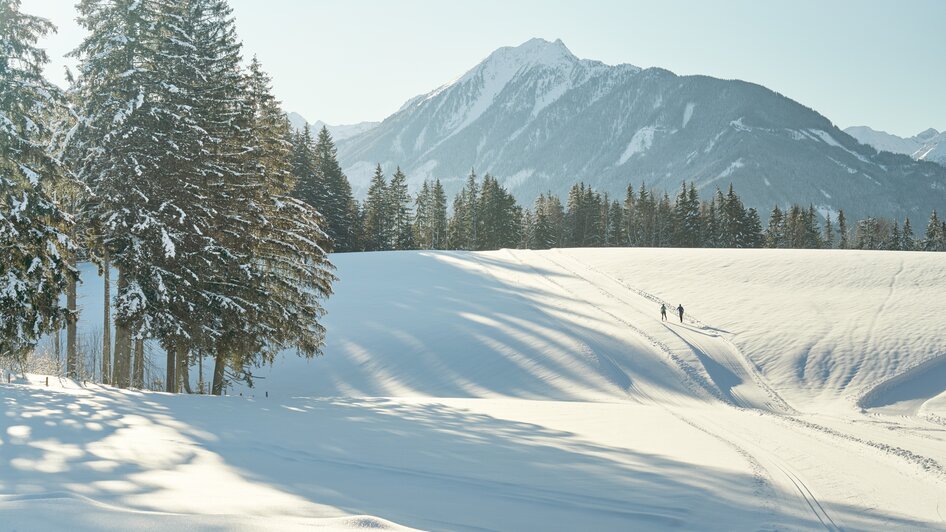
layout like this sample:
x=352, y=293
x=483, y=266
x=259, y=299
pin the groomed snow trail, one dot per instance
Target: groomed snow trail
x=735, y=381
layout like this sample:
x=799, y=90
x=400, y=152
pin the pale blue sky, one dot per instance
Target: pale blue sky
x=867, y=62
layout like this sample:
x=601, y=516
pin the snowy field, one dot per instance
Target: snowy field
x=532, y=390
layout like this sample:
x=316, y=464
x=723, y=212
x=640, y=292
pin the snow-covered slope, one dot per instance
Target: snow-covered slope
x=540, y=119
x=929, y=145
x=515, y=390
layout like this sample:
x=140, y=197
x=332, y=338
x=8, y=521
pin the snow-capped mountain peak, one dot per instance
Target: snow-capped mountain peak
x=540, y=119
x=929, y=145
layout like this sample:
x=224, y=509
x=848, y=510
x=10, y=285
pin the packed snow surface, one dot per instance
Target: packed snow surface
x=531, y=390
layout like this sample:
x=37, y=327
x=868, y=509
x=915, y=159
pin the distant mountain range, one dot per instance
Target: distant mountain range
x=540, y=119
x=340, y=132
x=929, y=145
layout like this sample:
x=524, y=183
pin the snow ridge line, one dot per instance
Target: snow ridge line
x=754, y=370
x=691, y=375
x=863, y=402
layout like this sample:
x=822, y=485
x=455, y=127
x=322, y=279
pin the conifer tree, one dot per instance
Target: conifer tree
x=934, y=237
x=33, y=228
x=709, y=224
x=753, y=229
x=686, y=218
x=827, y=235
x=907, y=239
x=438, y=216
x=334, y=201
x=422, y=217
x=376, y=215
x=398, y=209
x=842, y=231
x=775, y=234
x=615, y=235
x=894, y=239
x=629, y=215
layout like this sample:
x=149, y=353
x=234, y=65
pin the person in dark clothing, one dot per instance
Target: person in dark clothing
x=680, y=311
x=663, y=312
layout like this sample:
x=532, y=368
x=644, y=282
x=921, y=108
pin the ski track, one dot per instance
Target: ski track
x=751, y=368
x=761, y=477
x=788, y=416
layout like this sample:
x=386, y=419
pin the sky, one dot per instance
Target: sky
x=864, y=62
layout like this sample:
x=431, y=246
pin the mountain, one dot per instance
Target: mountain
x=929, y=145
x=540, y=119
x=340, y=132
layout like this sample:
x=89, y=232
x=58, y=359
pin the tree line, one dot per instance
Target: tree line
x=485, y=216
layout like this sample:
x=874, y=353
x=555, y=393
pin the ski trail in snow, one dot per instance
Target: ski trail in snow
x=747, y=365
x=811, y=500
x=925, y=463
x=762, y=477
x=691, y=376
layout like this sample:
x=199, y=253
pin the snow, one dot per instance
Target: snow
x=535, y=390
x=829, y=140
x=518, y=178
x=640, y=142
x=170, y=250
x=688, y=114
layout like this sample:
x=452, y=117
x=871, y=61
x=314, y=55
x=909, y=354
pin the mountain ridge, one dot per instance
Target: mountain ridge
x=540, y=119
x=927, y=145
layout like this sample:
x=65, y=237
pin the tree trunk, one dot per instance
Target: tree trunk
x=107, y=327
x=184, y=371
x=200, y=372
x=122, y=344
x=72, y=357
x=220, y=363
x=171, y=386
x=139, y=368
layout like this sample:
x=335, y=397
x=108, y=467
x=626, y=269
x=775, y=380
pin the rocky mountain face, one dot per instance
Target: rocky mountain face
x=929, y=145
x=540, y=119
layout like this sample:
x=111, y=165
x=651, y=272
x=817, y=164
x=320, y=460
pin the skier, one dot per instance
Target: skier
x=680, y=311
x=663, y=312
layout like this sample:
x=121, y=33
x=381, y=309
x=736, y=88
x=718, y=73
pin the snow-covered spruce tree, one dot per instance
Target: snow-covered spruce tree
x=287, y=259
x=121, y=155
x=33, y=228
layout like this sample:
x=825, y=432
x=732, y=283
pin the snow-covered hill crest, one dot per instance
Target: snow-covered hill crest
x=541, y=119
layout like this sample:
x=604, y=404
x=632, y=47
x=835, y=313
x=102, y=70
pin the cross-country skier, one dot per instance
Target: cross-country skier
x=680, y=311
x=663, y=312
